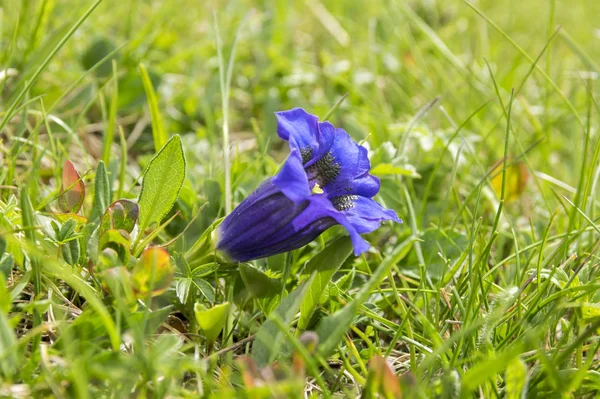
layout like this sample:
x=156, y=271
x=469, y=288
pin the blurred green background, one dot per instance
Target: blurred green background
x=414, y=72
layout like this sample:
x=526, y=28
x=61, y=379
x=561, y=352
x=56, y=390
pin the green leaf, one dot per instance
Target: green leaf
x=120, y=215
x=182, y=265
x=117, y=240
x=516, y=379
x=211, y=321
x=326, y=263
x=71, y=252
x=269, y=337
x=158, y=131
x=258, y=283
x=9, y=361
x=207, y=290
x=182, y=289
x=66, y=230
x=101, y=191
x=204, y=270
x=162, y=181
x=203, y=248
x=331, y=329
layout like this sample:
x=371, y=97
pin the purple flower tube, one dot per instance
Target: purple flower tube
x=325, y=181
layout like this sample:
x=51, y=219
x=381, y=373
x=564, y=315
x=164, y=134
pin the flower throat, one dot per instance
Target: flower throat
x=323, y=172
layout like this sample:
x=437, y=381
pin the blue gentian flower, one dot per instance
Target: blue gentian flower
x=325, y=181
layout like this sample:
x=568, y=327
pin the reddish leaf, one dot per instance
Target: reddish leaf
x=382, y=380
x=120, y=215
x=72, y=190
x=152, y=273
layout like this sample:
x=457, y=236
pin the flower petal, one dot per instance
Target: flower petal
x=366, y=215
x=291, y=179
x=320, y=208
x=299, y=128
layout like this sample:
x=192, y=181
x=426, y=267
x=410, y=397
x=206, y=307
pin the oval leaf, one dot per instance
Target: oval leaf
x=120, y=215
x=162, y=182
x=72, y=190
x=118, y=240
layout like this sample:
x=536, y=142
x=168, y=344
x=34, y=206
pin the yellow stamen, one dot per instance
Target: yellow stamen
x=317, y=189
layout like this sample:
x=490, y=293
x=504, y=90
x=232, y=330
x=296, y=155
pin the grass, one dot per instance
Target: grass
x=482, y=123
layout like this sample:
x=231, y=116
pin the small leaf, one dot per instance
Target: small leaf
x=516, y=379
x=71, y=252
x=162, y=181
x=381, y=380
x=211, y=321
x=258, y=283
x=118, y=240
x=326, y=263
x=345, y=282
x=269, y=337
x=152, y=273
x=182, y=289
x=182, y=265
x=72, y=190
x=205, y=289
x=101, y=191
x=516, y=179
x=120, y=215
x=205, y=269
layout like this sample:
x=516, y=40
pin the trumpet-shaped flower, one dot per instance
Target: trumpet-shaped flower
x=324, y=181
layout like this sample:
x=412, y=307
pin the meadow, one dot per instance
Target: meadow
x=130, y=128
